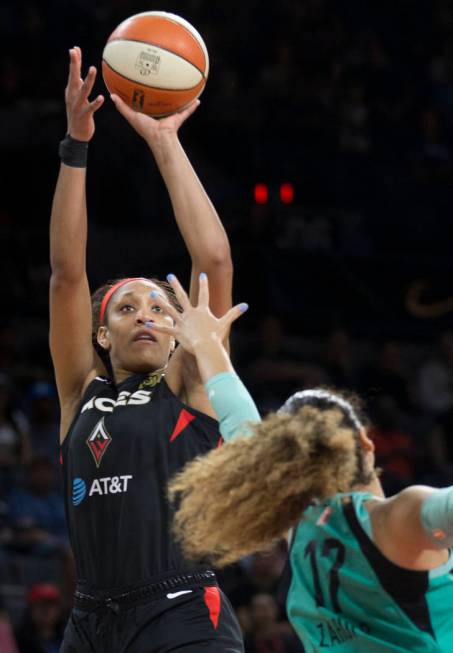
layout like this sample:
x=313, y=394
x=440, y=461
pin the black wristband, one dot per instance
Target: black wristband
x=73, y=153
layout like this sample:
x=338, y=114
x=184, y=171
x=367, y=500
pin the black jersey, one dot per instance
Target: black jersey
x=123, y=446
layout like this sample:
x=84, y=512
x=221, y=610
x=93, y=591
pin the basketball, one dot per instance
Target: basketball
x=156, y=62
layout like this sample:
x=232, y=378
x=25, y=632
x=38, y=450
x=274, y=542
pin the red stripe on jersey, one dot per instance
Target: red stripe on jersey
x=212, y=600
x=184, y=420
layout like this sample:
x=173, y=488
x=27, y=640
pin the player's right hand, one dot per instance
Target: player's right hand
x=79, y=109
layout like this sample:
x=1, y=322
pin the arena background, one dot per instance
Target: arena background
x=324, y=138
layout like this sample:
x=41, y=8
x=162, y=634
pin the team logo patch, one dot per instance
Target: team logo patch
x=98, y=441
x=151, y=380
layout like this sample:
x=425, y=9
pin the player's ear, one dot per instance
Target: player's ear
x=103, y=338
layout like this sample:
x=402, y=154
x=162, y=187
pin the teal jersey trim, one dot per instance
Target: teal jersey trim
x=346, y=597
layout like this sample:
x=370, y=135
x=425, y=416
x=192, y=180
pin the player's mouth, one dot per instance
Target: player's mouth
x=144, y=336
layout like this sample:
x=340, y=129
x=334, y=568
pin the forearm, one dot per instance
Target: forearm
x=68, y=224
x=197, y=219
x=212, y=358
x=231, y=401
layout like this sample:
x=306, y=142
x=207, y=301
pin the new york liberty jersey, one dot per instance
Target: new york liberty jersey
x=347, y=597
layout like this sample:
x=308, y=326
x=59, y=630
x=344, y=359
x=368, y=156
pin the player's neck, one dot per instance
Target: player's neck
x=373, y=487
x=121, y=374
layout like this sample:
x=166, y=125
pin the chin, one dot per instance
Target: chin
x=145, y=365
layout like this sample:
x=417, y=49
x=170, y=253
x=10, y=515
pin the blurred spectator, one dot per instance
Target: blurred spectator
x=338, y=360
x=41, y=630
x=396, y=451
x=7, y=640
x=276, y=369
x=435, y=378
x=37, y=512
x=386, y=375
x=44, y=420
x=14, y=437
x=439, y=444
x=267, y=634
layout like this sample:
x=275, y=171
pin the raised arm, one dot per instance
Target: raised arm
x=197, y=219
x=70, y=306
x=201, y=229
x=414, y=528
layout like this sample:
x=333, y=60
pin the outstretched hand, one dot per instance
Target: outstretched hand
x=79, y=109
x=195, y=326
x=149, y=128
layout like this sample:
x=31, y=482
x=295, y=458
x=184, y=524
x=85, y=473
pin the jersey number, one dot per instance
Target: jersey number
x=330, y=544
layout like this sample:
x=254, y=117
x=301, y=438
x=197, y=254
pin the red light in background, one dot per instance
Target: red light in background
x=287, y=193
x=261, y=193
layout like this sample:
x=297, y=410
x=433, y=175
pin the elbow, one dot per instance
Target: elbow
x=218, y=260
x=64, y=278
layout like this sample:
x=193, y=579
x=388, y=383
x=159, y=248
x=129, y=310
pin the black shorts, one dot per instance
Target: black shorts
x=199, y=620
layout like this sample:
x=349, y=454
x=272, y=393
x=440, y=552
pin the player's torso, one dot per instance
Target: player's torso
x=122, y=448
x=345, y=596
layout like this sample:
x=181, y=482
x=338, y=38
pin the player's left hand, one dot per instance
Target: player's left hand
x=195, y=325
x=151, y=128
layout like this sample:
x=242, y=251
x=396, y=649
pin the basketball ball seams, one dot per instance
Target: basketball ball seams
x=133, y=30
x=155, y=45
x=145, y=86
x=156, y=62
x=199, y=43
x=180, y=22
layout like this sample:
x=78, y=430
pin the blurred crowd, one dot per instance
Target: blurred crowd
x=349, y=285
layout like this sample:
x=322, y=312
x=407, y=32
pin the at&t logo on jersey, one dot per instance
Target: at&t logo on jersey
x=79, y=489
x=99, y=486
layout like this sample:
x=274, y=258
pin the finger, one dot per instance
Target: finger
x=123, y=108
x=74, y=67
x=96, y=104
x=180, y=293
x=233, y=314
x=203, y=290
x=162, y=328
x=88, y=84
x=189, y=110
x=162, y=301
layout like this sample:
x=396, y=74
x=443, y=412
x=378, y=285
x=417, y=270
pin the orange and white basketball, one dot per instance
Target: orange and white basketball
x=156, y=62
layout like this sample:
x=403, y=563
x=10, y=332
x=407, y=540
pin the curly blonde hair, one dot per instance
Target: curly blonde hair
x=246, y=495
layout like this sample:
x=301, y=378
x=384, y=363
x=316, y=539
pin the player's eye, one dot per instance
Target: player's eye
x=126, y=308
x=157, y=309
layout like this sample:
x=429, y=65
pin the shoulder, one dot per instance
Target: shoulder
x=71, y=408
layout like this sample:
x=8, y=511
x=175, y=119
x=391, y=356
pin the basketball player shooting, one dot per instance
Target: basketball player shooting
x=132, y=412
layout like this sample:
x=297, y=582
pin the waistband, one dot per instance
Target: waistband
x=117, y=600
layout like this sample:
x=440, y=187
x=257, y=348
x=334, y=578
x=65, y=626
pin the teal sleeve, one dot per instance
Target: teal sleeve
x=232, y=403
x=437, y=517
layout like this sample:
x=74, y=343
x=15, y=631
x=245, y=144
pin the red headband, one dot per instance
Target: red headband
x=110, y=292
